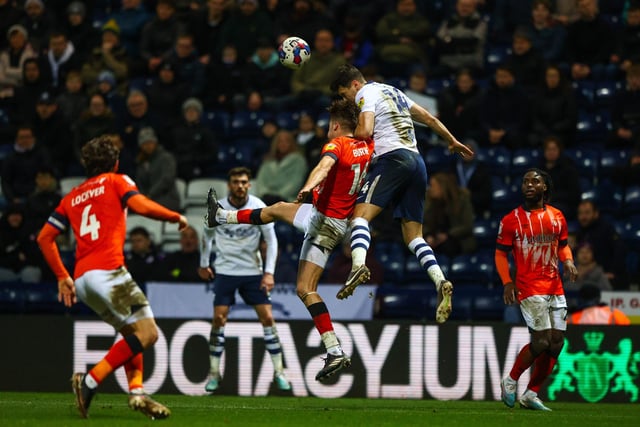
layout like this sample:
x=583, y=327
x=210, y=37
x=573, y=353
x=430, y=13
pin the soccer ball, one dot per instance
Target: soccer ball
x=294, y=52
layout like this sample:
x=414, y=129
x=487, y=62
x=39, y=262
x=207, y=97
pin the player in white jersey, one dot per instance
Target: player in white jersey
x=397, y=176
x=238, y=266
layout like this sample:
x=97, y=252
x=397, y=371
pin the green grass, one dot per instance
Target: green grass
x=57, y=409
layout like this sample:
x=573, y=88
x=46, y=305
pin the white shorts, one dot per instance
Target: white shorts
x=542, y=312
x=114, y=296
x=321, y=233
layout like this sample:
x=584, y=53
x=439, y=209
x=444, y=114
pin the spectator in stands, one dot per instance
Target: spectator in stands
x=461, y=40
x=96, y=120
x=565, y=12
x=589, y=271
x=340, y=267
x=448, y=217
x=589, y=44
x=107, y=55
x=354, y=44
x=507, y=16
x=310, y=84
x=302, y=20
x=417, y=92
x=106, y=85
x=206, y=24
x=43, y=200
x=39, y=23
x=131, y=19
x=310, y=137
x=189, y=69
x=9, y=16
x=25, y=96
x=20, y=166
x=553, y=110
x=526, y=62
x=224, y=79
x=625, y=112
x=627, y=47
x=135, y=118
x=144, y=261
x=12, y=60
x=182, y=265
x=563, y=173
x=608, y=248
x=17, y=248
x=156, y=171
x=59, y=60
x=166, y=94
x=475, y=176
x=629, y=174
x=459, y=106
x=73, y=100
x=80, y=29
x=266, y=77
x=504, y=111
x=159, y=35
x=402, y=38
x=547, y=37
x=246, y=25
x=594, y=312
x=52, y=131
x=282, y=172
x=193, y=144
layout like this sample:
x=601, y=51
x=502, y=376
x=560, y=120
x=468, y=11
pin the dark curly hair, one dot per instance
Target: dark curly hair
x=99, y=155
x=344, y=112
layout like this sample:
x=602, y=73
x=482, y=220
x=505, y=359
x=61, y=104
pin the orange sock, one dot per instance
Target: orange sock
x=133, y=368
x=117, y=356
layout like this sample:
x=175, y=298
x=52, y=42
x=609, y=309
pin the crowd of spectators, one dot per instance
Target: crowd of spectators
x=193, y=87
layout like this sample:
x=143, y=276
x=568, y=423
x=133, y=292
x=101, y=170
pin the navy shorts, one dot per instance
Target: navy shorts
x=247, y=286
x=399, y=179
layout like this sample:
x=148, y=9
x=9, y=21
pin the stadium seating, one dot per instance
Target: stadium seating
x=435, y=86
x=392, y=257
x=68, y=182
x=408, y=302
x=496, y=55
x=4, y=117
x=247, y=123
x=523, y=159
x=584, y=92
x=607, y=197
x=610, y=161
x=288, y=119
x=591, y=128
x=153, y=227
x=217, y=121
x=472, y=269
x=604, y=93
x=497, y=158
x=632, y=201
x=235, y=155
x=197, y=189
x=504, y=197
x=485, y=232
x=438, y=159
x=586, y=161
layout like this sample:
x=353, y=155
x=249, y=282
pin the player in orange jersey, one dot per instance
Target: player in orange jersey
x=334, y=184
x=536, y=234
x=96, y=212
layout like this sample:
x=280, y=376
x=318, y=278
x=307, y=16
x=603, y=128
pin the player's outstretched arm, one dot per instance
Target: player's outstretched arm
x=317, y=175
x=146, y=207
x=421, y=115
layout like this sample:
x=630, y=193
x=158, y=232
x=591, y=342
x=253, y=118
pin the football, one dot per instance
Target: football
x=294, y=52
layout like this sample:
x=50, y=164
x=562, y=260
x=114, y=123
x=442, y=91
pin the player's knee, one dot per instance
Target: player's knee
x=148, y=336
x=540, y=344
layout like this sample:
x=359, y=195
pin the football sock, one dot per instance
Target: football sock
x=542, y=368
x=360, y=241
x=133, y=368
x=322, y=320
x=523, y=362
x=118, y=355
x=216, y=347
x=427, y=259
x=272, y=343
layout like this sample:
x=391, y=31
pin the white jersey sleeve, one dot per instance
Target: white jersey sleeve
x=393, y=126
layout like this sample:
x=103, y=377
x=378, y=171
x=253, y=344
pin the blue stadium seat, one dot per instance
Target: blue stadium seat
x=604, y=93
x=407, y=302
x=610, y=160
x=632, y=200
x=591, y=128
x=247, y=123
x=586, y=161
x=323, y=120
x=497, y=158
x=232, y=156
x=629, y=231
x=4, y=117
x=288, y=119
x=523, y=159
x=488, y=306
x=584, y=92
x=414, y=273
x=217, y=121
x=496, y=55
x=42, y=298
x=472, y=269
x=504, y=197
x=435, y=86
x=12, y=297
x=607, y=196
x=392, y=258
x=399, y=82
x=485, y=231
x=438, y=159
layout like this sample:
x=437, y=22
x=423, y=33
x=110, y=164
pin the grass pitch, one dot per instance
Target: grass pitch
x=57, y=409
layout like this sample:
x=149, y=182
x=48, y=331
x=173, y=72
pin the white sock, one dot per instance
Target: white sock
x=272, y=343
x=331, y=343
x=427, y=260
x=227, y=217
x=90, y=382
x=360, y=241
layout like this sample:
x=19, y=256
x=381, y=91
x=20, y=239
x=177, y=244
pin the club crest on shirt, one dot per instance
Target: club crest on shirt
x=330, y=146
x=361, y=102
